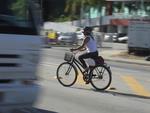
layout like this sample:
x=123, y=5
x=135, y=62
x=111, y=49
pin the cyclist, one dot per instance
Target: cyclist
x=89, y=43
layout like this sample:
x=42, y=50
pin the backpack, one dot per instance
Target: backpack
x=99, y=60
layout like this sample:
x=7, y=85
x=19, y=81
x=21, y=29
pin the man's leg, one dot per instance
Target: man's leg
x=81, y=58
x=92, y=55
x=86, y=56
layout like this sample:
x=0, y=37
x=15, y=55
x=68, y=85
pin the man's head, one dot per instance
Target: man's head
x=87, y=30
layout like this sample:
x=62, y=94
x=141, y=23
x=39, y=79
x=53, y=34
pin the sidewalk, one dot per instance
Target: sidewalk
x=117, y=56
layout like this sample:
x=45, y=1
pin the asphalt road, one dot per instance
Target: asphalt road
x=129, y=91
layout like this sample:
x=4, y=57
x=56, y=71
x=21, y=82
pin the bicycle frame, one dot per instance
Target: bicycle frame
x=78, y=65
x=81, y=68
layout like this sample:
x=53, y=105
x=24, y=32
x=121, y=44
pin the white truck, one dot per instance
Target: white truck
x=20, y=46
x=139, y=36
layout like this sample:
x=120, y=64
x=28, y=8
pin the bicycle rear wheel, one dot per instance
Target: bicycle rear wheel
x=101, y=77
x=66, y=74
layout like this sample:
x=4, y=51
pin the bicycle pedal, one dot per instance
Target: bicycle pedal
x=94, y=75
x=87, y=82
x=86, y=76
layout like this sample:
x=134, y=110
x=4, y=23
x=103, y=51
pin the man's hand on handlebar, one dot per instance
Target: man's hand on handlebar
x=72, y=49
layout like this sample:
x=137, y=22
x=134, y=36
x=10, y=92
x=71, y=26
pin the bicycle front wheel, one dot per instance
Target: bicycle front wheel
x=66, y=74
x=101, y=77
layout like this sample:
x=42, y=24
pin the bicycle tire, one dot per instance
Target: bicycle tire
x=98, y=79
x=66, y=71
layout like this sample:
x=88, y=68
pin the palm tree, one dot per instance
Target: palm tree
x=72, y=7
x=19, y=4
x=76, y=7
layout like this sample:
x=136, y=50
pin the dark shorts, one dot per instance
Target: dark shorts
x=92, y=55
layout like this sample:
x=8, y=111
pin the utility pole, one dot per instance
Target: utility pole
x=41, y=10
x=142, y=7
x=142, y=4
x=81, y=13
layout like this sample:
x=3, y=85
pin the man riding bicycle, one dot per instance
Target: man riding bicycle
x=89, y=43
x=98, y=75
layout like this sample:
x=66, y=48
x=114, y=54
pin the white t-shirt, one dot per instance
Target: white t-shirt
x=91, y=45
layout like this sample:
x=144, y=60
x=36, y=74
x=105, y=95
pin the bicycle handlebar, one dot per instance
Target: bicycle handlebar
x=74, y=52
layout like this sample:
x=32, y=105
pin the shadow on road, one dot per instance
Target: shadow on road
x=124, y=94
x=114, y=93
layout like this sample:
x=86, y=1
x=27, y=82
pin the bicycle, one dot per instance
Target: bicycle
x=99, y=76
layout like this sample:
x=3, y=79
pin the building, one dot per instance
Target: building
x=120, y=12
x=115, y=15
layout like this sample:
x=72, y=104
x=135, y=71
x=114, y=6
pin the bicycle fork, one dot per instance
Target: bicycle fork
x=68, y=70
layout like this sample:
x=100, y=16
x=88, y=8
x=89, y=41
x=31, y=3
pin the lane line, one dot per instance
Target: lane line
x=136, y=86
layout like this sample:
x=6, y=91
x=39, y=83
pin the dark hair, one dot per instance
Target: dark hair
x=88, y=29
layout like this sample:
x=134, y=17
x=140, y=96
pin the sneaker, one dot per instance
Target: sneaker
x=87, y=81
x=86, y=78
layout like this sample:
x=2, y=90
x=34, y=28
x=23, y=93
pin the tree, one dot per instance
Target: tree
x=72, y=7
x=16, y=6
x=75, y=7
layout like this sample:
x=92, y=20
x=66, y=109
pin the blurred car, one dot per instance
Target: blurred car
x=117, y=36
x=67, y=38
x=108, y=37
x=123, y=39
x=80, y=35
